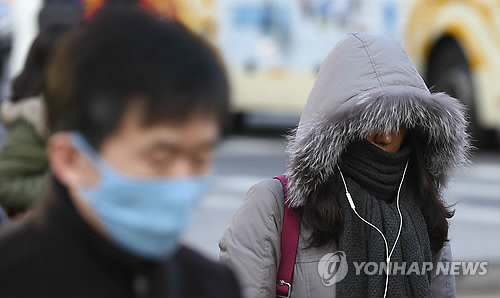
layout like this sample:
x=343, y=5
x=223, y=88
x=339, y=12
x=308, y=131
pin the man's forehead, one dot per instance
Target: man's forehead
x=138, y=113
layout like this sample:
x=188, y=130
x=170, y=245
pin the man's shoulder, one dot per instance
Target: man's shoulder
x=213, y=279
x=15, y=231
x=192, y=259
x=19, y=245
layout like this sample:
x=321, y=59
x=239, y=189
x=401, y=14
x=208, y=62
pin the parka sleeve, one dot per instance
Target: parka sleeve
x=443, y=285
x=251, y=244
x=23, y=167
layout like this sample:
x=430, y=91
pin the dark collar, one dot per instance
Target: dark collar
x=58, y=217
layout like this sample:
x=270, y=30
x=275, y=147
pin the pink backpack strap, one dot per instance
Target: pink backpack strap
x=289, y=244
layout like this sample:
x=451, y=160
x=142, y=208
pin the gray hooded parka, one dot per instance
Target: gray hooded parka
x=365, y=84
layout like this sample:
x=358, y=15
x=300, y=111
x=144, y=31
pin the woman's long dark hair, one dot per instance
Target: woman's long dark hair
x=29, y=82
x=323, y=215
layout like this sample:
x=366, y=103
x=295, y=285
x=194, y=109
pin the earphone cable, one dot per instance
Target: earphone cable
x=387, y=254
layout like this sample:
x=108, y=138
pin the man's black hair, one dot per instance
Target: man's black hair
x=124, y=55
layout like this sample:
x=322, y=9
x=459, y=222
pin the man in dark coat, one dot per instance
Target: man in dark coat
x=134, y=107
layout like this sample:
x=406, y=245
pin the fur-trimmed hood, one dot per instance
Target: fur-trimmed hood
x=368, y=83
x=30, y=109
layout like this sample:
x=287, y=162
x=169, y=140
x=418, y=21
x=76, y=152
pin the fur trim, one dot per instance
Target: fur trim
x=315, y=147
x=30, y=109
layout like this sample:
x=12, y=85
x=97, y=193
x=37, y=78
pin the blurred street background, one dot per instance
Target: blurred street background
x=273, y=50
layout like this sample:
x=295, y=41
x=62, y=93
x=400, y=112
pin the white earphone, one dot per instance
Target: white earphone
x=387, y=254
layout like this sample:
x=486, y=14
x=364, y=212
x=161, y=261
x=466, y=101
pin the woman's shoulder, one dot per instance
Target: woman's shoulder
x=267, y=196
x=268, y=188
x=263, y=205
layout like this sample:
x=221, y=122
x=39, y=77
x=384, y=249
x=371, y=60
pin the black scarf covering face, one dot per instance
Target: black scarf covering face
x=373, y=177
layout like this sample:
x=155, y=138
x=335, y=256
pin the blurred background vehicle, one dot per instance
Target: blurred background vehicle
x=456, y=46
x=274, y=47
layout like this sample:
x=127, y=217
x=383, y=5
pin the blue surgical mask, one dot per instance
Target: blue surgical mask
x=144, y=216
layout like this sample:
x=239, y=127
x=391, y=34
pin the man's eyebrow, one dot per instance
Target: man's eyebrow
x=169, y=146
x=165, y=146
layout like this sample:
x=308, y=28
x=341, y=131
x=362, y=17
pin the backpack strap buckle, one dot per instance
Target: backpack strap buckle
x=284, y=283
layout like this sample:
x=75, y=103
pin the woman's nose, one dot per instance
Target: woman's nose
x=390, y=142
x=383, y=139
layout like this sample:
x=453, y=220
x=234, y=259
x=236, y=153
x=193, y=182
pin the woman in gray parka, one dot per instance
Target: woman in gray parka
x=372, y=129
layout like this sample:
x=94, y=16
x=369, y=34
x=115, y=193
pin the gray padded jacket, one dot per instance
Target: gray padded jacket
x=365, y=84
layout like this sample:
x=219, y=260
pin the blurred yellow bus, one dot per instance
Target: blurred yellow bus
x=456, y=47
x=273, y=48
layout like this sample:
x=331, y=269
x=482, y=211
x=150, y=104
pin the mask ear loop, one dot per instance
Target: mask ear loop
x=80, y=143
x=387, y=254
